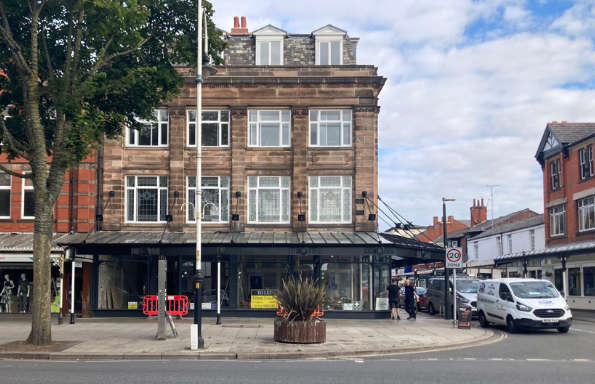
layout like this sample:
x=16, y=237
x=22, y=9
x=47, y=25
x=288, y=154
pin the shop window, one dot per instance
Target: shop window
x=330, y=199
x=586, y=213
x=347, y=284
x=330, y=128
x=152, y=133
x=215, y=199
x=121, y=283
x=559, y=280
x=28, y=200
x=574, y=282
x=268, y=199
x=589, y=280
x=146, y=199
x=269, y=128
x=5, y=185
x=215, y=128
x=259, y=278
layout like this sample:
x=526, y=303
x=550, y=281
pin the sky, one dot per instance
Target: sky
x=470, y=87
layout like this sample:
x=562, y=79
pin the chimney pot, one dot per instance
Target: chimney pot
x=244, y=22
x=435, y=220
x=236, y=22
x=237, y=30
x=451, y=219
x=482, y=202
x=474, y=202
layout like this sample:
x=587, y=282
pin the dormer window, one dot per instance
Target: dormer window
x=329, y=45
x=269, y=45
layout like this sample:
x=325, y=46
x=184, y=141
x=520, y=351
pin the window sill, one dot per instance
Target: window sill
x=283, y=148
x=329, y=224
x=587, y=232
x=145, y=222
x=556, y=237
x=143, y=147
x=585, y=179
x=210, y=148
x=321, y=148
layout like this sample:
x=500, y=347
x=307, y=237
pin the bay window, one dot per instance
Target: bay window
x=146, y=199
x=330, y=199
x=215, y=128
x=153, y=133
x=215, y=199
x=268, y=199
x=269, y=128
x=330, y=128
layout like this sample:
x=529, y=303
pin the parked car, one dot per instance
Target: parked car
x=466, y=294
x=422, y=293
x=523, y=303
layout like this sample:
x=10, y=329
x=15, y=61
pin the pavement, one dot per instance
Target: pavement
x=241, y=339
x=583, y=315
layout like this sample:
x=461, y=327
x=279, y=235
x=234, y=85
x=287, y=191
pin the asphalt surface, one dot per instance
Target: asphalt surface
x=529, y=357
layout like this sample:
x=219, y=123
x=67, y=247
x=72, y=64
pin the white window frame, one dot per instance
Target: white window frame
x=24, y=188
x=190, y=124
x=314, y=116
x=499, y=241
x=555, y=174
x=135, y=132
x=584, y=207
x=476, y=248
x=346, y=216
x=281, y=189
x=329, y=40
x=532, y=239
x=557, y=220
x=159, y=189
x=268, y=40
x=585, y=156
x=9, y=189
x=509, y=240
x=190, y=208
x=254, y=122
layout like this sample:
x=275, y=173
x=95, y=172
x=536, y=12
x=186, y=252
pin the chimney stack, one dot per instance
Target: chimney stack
x=479, y=212
x=237, y=29
x=435, y=220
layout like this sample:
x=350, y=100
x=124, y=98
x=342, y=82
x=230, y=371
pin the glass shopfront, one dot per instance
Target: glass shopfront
x=16, y=287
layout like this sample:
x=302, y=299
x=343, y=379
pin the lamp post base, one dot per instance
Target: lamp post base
x=72, y=318
x=196, y=341
x=218, y=318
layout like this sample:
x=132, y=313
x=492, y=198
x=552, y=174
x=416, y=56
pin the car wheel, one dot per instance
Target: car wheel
x=563, y=329
x=510, y=327
x=431, y=309
x=482, y=320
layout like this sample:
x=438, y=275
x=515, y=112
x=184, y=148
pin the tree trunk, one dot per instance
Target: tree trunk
x=41, y=326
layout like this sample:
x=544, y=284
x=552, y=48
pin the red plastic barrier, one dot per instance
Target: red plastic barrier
x=176, y=305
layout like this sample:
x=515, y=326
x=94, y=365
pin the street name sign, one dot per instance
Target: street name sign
x=454, y=258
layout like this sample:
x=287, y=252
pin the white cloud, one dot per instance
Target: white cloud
x=458, y=112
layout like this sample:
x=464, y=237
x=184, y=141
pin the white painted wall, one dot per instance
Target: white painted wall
x=487, y=247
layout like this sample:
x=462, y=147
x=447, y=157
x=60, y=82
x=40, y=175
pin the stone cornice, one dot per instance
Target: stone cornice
x=253, y=81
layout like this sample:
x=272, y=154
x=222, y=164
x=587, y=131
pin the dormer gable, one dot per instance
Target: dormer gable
x=269, y=45
x=328, y=42
x=330, y=30
x=269, y=30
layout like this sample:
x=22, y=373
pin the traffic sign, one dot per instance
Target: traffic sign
x=454, y=258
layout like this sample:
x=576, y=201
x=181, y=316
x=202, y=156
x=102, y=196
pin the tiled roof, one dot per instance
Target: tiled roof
x=568, y=133
x=561, y=249
x=22, y=242
x=486, y=225
x=509, y=227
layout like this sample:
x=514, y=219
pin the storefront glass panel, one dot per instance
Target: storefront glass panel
x=589, y=280
x=122, y=283
x=342, y=281
x=260, y=276
x=574, y=281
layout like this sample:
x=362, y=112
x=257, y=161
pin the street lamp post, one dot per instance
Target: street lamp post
x=196, y=339
x=444, y=240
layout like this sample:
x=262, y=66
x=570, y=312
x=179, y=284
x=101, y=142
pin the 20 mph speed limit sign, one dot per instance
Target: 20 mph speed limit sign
x=454, y=258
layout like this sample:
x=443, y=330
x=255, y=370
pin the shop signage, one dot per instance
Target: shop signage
x=263, y=299
x=454, y=258
x=382, y=303
x=133, y=305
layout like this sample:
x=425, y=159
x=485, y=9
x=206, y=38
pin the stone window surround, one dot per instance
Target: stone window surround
x=258, y=128
x=348, y=219
x=342, y=145
x=221, y=189
x=159, y=133
x=188, y=122
x=159, y=188
x=258, y=188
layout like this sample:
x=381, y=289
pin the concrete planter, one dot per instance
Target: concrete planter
x=300, y=332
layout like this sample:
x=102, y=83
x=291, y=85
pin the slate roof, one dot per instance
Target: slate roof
x=485, y=225
x=22, y=242
x=568, y=133
x=243, y=238
x=514, y=226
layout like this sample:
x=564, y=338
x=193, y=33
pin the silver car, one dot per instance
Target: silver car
x=466, y=294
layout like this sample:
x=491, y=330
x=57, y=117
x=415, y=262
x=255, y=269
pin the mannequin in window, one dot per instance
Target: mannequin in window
x=6, y=293
x=23, y=291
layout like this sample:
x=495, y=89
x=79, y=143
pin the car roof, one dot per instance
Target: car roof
x=515, y=280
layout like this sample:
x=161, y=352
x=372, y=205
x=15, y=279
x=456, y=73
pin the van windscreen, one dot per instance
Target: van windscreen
x=467, y=286
x=534, y=290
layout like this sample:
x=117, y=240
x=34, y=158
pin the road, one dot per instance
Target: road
x=535, y=357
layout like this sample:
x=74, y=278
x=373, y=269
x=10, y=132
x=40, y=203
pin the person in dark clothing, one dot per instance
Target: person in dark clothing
x=393, y=299
x=410, y=299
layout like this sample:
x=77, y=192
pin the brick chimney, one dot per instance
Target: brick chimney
x=479, y=212
x=237, y=29
x=435, y=220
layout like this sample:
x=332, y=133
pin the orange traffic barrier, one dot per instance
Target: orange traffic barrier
x=176, y=305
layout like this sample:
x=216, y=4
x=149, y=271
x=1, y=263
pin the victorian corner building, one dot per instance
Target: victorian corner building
x=290, y=184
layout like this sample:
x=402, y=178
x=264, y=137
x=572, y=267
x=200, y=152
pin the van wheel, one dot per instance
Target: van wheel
x=431, y=309
x=482, y=320
x=563, y=329
x=510, y=327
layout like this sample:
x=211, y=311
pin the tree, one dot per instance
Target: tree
x=74, y=72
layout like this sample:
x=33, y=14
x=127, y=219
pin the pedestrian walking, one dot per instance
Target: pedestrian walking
x=410, y=299
x=393, y=299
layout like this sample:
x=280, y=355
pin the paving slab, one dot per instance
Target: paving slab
x=242, y=338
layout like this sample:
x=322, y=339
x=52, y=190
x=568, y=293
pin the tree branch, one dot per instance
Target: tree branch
x=46, y=51
x=6, y=34
x=14, y=144
x=13, y=173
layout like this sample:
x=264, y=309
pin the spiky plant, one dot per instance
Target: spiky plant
x=300, y=297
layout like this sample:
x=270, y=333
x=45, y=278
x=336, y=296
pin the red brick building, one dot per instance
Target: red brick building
x=565, y=154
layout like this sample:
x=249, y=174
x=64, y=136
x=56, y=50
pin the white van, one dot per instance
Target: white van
x=522, y=303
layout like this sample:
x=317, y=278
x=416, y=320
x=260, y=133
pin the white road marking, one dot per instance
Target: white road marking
x=538, y=359
x=582, y=330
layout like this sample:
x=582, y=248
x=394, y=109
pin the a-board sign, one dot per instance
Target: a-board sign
x=263, y=299
x=454, y=258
